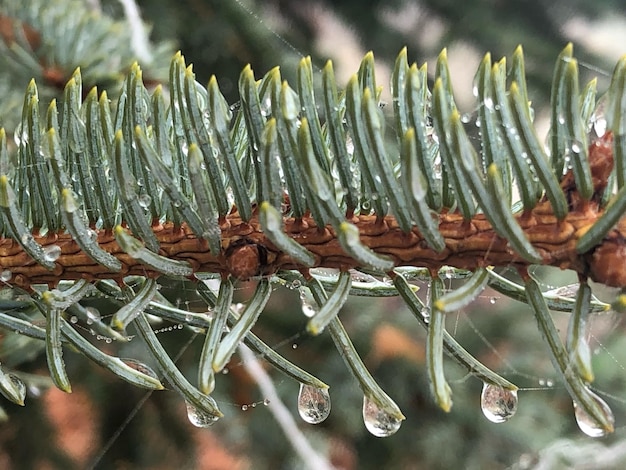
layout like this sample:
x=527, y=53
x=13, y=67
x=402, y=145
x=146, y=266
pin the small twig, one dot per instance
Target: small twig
x=139, y=36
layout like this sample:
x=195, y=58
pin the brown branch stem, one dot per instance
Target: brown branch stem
x=470, y=244
x=247, y=252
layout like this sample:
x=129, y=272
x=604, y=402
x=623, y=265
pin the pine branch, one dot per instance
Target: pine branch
x=275, y=187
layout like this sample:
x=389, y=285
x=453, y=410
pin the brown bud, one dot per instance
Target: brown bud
x=243, y=261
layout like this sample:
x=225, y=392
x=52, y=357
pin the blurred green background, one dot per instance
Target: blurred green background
x=108, y=424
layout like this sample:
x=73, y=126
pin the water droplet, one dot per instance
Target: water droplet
x=266, y=402
x=497, y=403
x=599, y=125
x=230, y=196
x=199, y=418
x=492, y=300
x=313, y=404
x=93, y=315
x=488, y=102
x=145, y=200
x=92, y=235
x=307, y=306
x=6, y=275
x=576, y=146
x=52, y=252
x=349, y=146
x=244, y=407
x=598, y=118
x=587, y=424
x=266, y=107
x=17, y=135
x=73, y=319
x=378, y=421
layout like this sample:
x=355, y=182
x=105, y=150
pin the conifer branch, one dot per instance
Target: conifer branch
x=142, y=188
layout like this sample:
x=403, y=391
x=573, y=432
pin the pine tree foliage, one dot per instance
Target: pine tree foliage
x=41, y=40
x=107, y=199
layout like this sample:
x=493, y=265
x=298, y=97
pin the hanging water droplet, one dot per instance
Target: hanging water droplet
x=313, y=404
x=587, y=424
x=73, y=319
x=497, y=403
x=492, y=300
x=52, y=252
x=6, y=275
x=145, y=200
x=199, y=418
x=244, y=407
x=93, y=315
x=266, y=402
x=377, y=420
x=308, y=308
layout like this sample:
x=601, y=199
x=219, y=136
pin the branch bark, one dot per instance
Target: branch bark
x=470, y=244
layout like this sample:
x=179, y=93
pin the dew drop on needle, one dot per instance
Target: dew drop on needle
x=52, y=252
x=378, y=421
x=199, y=418
x=313, y=404
x=587, y=423
x=498, y=404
